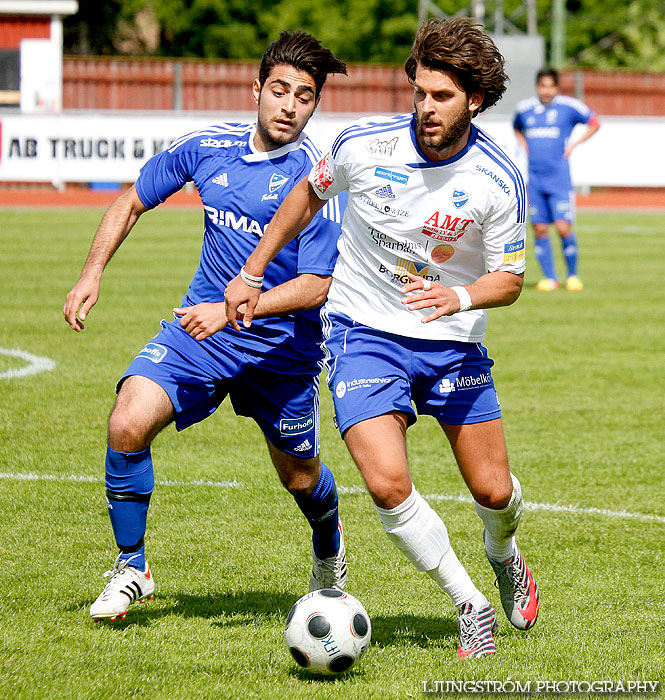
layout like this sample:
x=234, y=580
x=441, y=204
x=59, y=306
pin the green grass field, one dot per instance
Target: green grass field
x=581, y=381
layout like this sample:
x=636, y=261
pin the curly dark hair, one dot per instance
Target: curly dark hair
x=304, y=52
x=462, y=47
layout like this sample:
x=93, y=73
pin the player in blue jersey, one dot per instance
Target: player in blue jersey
x=242, y=173
x=543, y=126
x=433, y=233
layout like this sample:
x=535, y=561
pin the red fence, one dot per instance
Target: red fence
x=146, y=84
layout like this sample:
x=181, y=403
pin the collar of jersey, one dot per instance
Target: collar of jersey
x=437, y=163
x=271, y=155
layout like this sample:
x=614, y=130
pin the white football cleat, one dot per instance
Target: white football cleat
x=331, y=571
x=126, y=585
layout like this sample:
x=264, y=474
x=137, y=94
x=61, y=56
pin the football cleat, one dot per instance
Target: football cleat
x=547, y=285
x=518, y=590
x=476, y=631
x=574, y=283
x=329, y=572
x=126, y=585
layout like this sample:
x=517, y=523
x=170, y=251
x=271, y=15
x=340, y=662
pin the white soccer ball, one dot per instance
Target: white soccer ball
x=327, y=631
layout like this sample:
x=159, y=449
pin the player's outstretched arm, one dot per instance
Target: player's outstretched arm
x=493, y=289
x=113, y=229
x=304, y=292
x=293, y=215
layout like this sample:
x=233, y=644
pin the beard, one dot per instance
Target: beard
x=274, y=138
x=452, y=132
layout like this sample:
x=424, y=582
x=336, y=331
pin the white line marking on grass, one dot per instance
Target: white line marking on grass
x=551, y=507
x=31, y=476
x=35, y=363
x=638, y=230
x=348, y=490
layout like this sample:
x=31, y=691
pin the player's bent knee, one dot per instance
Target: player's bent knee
x=298, y=476
x=300, y=484
x=387, y=493
x=494, y=498
x=126, y=434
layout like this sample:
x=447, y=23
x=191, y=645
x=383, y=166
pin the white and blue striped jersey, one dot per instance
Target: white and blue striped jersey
x=547, y=129
x=448, y=221
x=241, y=189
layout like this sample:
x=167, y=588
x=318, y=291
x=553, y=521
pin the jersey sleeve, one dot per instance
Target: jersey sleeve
x=505, y=240
x=518, y=123
x=582, y=113
x=164, y=174
x=327, y=177
x=317, y=244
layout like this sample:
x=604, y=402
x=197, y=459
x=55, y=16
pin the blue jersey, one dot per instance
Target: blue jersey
x=547, y=129
x=241, y=189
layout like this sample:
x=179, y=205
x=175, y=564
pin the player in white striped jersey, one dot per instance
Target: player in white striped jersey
x=242, y=172
x=433, y=234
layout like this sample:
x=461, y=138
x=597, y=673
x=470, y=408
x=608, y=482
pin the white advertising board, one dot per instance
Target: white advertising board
x=78, y=147
x=41, y=76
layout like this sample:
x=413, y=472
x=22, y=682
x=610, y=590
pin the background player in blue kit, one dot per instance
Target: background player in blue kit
x=433, y=234
x=543, y=126
x=242, y=173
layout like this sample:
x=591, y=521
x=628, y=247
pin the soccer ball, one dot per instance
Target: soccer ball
x=327, y=631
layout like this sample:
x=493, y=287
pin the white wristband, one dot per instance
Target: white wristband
x=251, y=280
x=464, y=297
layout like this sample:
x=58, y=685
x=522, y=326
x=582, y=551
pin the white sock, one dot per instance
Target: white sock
x=453, y=578
x=500, y=525
x=419, y=533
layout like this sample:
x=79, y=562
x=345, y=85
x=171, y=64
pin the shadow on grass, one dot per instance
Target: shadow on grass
x=271, y=607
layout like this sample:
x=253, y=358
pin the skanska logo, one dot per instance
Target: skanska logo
x=501, y=183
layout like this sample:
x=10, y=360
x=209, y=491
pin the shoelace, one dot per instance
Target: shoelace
x=516, y=577
x=469, y=632
x=119, y=569
x=330, y=567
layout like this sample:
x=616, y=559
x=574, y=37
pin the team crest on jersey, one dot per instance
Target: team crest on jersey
x=277, y=181
x=322, y=176
x=385, y=192
x=460, y=198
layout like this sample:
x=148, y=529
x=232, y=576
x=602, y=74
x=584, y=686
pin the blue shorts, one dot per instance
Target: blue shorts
x=371, y=373
x=198, y=375
x=550, y=200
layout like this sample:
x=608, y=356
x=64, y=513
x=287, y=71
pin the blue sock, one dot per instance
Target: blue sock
x=129, y=483
x=569, y=244
x=320, y=509
x=543, y=251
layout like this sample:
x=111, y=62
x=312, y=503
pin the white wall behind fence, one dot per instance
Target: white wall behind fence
x=93, y=147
